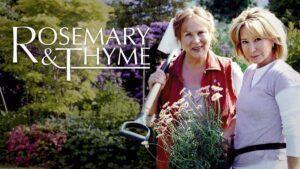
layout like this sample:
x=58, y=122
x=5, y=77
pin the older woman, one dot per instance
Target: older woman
x=267, y=132
x=196, y=66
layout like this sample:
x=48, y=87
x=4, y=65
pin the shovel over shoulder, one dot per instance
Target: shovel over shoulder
x=168, y=45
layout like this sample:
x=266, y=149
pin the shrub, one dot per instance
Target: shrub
x=294, y=46
x=110, y=107
x=90, y=147
x=44, y=89
x=132, y=79
x=9, y=120
x=224, y=47
x=92, y=136
x=34, y=145
x=92, y=139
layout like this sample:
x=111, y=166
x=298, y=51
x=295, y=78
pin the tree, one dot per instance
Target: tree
x=129, y=13
x=286, y=10
x=45, y=88
x=6, y=9
x=226, y=10
x=132, y=79
x=294, y=46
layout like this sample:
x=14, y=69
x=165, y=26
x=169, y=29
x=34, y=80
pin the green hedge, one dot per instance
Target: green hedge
x=92, y=134
x=294, y=46
x=88, y=146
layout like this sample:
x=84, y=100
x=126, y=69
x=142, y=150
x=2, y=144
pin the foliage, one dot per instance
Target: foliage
x=9, y=120
x=93, y=140
x=12, y=91
x=191, y=137
x=110, y=108
x=27, y=146
x=92, y=135
x=129, y=13
x=294, y=47
x=7, y=166
x=223, y=46
x=11, y=87
x=83, y=148
x=286, y=10
x=132, y=79
x=226, y=10
x=44, y=89
x=88, y=146
x=6, y=9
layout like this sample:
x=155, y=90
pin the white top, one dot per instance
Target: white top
x=261, y=118
x=237, y=78
x=290, y=114
x=288, y=101
x=259, y=72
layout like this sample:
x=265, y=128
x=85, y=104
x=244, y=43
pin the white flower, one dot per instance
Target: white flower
x=175, y=106
x=216, y=88
x=160, y=135
x=188, y=94
x=166, y=104
x=216, y=96
x=146, y=144
x=182, y=91
x=177, y=113
x=180, y=101
x=205, y=88
x=169, y=120
x=203, y=91
x=185, y=105
x=204, y=94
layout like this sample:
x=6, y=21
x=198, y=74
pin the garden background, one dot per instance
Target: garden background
x=49, y=122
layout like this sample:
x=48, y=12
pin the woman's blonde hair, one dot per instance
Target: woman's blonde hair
x=260, y=23
x=205, y=16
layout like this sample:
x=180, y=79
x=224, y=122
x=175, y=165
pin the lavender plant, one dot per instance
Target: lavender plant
x=132, y=79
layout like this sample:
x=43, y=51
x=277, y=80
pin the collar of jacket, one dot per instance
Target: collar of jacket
x=211, y=63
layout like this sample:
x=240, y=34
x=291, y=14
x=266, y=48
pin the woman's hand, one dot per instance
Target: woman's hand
x=228, y=142
x=158, y=77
